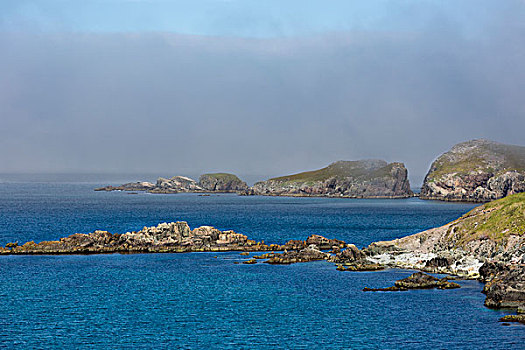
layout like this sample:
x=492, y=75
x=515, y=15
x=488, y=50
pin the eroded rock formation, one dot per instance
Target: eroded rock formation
x=476, y=171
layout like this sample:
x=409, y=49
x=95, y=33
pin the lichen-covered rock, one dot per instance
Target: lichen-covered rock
x=476, y=171
x=222, y=182
x=356, y=179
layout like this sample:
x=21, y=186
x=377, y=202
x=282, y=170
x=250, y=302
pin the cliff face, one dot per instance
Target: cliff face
x=222, y=182
x=476, y=171
x=357, y=179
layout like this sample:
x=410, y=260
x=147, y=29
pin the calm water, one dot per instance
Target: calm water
x=197, y=301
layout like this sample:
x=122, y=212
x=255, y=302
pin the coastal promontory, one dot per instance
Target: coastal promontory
x=487, y=243
x=369, y=178
x=217, y=182
x=476, y=171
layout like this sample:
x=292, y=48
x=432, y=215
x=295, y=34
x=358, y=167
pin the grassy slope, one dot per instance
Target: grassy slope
x=495, y=220
x=223, y=176
x=341, y=169
x=514, y=159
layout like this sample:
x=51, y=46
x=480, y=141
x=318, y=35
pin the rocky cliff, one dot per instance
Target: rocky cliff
x=356, y=179
x=222, y=182
x=494, y=231
x=476, y=171
x=487, y=243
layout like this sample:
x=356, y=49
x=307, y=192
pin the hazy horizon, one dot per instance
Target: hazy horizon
x=251, y=88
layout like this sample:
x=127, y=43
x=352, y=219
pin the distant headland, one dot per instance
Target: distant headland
x=472, y=171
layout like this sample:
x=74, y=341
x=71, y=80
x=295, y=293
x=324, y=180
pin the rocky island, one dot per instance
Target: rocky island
x=354, y=179
x=217, y=182
x=174, y=237
x=476, y=171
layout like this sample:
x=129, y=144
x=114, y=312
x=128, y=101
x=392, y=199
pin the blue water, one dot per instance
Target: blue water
x=204, y=300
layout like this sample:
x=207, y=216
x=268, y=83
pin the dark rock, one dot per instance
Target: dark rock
x=420, y=280
x=324, y=243
x=360, y=265
x=308, y=254
x=350, y=254
x=505, y=285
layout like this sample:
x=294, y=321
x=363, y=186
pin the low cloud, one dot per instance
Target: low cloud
x=172, y=103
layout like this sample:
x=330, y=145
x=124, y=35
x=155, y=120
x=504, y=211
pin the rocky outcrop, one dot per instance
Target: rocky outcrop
x=132, y=186
x=308, y=254
x=505, y=284
x=222, y=182
x=173, y=237
x=176, y=184
x=355, y=179
x=417, y=280
x=476, y=171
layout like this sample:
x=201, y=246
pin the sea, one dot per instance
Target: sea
x=205, y=300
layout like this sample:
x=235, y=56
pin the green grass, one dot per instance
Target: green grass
x=512, y=158
x=223, y=176
x=495, y=220
x=341, y=169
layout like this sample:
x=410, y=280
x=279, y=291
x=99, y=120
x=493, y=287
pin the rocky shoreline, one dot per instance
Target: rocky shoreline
x=487, y=244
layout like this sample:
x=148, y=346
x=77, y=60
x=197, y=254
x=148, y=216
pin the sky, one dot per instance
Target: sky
x=257, y=88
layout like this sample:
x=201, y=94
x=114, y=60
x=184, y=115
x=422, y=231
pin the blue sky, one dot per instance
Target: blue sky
x=244, y=18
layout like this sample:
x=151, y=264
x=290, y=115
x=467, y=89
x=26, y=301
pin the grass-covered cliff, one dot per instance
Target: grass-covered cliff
x=363, y=178
x=476, y=171
x=222, y=182
x=492, y=231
